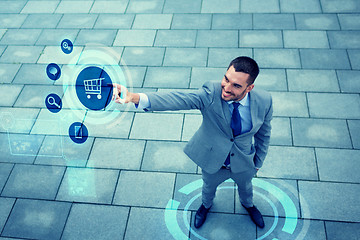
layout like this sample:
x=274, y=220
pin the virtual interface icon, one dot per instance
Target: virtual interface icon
x=53, y=71
x=67, y=46
x=93, y=86
x=92, y=81
x=78, y=132
x=53, y=103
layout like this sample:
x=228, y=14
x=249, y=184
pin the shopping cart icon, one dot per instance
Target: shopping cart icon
x=93, y=87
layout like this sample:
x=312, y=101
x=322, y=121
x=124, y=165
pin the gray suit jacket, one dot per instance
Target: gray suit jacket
x=214, y=140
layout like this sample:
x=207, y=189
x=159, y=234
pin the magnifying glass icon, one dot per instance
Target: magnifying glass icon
x=51, y=101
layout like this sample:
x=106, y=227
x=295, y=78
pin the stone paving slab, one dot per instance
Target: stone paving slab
x=260, y=6
x=272, y=80
x=5, y=170
x=175, y=38
x=305, y=39
x=159, y=77
x=342, y=231
x=277, y=58
x=116, y=153
x=218, y=226
x=62, y=151
x=6, y=206
x=290, y=162
x=313, y=80
x=88, y=185
x=20, y=120
x=40, y=7
x=167, y=156
x=185, y=6
x=332, y=105
x=354, y=56
x=290, y=104
x=308, y=6
x=45, y=20
x=191, y=21
x=11, y=6
x=146, y=126
x=185, y=57
x=6, y=148
x=307, y=229
x=35, y=95
x=30, y=181
x=145, y=6
x=340, y=205
x=338, y=165
x=148, y=223
x=144, y=189
x=273, y=21
x=320, y=133
x=231, y=21
x=349, y=21
x=37, y=219
x=281, y=131
x=324, y=59
x=134, y=38
x=54, y=37
x=317, y=21
x=114, y=21
x=88, y=221
x=32, y=74
x=261, y=38
x=21, y=54
x=12, y=20
x=348, y=81
x=354, y=127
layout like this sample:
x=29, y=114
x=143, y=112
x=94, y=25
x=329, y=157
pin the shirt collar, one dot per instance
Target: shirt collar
x=243, y=102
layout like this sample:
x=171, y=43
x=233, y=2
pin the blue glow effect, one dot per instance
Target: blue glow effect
x=171, y=222
x=286, y=202
x=288, y=205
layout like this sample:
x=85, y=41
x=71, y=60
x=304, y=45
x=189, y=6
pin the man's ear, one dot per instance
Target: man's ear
x=250, y=87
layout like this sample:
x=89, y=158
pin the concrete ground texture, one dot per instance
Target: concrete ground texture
x=130, y=179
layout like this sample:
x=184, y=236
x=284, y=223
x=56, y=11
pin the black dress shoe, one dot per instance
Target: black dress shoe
x=200, y=216
x=256, y=216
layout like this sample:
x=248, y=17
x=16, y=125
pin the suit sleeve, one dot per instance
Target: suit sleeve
x=262, y=138
x=178, y=100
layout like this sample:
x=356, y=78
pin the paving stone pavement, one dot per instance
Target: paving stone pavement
x=130, y=179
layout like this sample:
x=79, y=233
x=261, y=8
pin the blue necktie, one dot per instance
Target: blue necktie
x=236, y=120
x=235, y=125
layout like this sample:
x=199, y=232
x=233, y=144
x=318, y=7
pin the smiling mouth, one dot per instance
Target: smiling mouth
x=226, y=94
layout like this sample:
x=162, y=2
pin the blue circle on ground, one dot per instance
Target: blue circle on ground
x=94, y=88
x=53, y=103
x=53, y=71
x=67, y=46
x=78, y=132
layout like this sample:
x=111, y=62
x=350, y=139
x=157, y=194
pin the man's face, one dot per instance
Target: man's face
x=234, y=85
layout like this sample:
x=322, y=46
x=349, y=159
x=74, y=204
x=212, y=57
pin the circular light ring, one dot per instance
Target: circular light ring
x=286, y=202
x=102, y=57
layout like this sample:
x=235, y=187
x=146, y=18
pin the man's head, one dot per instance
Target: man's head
x=239, y=78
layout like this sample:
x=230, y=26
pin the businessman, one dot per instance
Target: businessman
x=234, y=136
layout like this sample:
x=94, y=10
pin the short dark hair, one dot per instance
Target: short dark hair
x=246, y=65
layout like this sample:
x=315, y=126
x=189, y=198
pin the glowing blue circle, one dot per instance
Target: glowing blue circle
x=286, y=202
x=94, y=88
x=67, y=46
x=53, y=71
x=78, y=132
x=53, y=103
